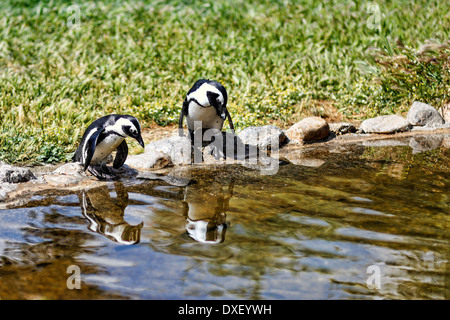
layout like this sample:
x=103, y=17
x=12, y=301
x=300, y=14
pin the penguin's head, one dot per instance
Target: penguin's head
x=130, y=126
x=217, y=98
x=209, y=93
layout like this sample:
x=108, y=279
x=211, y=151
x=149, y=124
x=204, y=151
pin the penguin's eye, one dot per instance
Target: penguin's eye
x=130, y=130
x=218, y=101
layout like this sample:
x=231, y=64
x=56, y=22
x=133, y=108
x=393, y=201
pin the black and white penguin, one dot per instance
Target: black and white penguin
x=205, y=107
x=101, y=138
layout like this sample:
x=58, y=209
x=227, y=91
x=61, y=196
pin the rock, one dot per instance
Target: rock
x=6, y=188
x=150, y=160
x=385, y=124
x=422, y=114
x=62, y=180
x=177, y=148
x=14, y=174
x=71, y=168
x=311, y=128
x=342, y=128
x=263, y=136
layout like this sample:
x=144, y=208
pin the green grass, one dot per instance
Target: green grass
x=277, y=59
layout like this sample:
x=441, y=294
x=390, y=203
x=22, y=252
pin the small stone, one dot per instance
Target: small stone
x=177, y=148
x=150, y=160
x=422, y=114
x=311, y=128
x=342, y=128
x=6, y=188
x=385, y=124
x=263, y=136
x=62, y=180
x=14, y=174
x=71, y=168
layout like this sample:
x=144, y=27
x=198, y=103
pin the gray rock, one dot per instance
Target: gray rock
x=62, y=180
x=263, y=136
x=385, y=124
x=177, y=148
x=14, y=174
x=422, y=114
x=311, y=128
x=342, y=128
x=150, y=160
x=71, y=168
x=6, y=188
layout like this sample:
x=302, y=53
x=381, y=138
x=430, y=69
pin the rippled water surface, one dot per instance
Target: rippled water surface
x=305, y=233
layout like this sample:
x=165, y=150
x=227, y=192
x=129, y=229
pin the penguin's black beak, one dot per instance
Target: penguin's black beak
x=141, y=142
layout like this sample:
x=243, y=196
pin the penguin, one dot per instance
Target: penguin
x=205, y=107
x=101, y=138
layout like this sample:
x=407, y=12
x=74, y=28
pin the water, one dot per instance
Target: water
x=305, y=233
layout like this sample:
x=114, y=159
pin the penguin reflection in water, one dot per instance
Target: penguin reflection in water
x=106, y=214
x=101, y=138
x=205, y=207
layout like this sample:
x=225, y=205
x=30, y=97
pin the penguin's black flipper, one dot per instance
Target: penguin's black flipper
x=121, y=155
x=183, y=113
x=89, y=149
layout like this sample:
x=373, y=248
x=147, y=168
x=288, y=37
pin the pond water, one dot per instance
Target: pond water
x=370, y=222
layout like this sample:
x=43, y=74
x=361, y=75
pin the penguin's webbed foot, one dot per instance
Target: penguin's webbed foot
x=102, y=172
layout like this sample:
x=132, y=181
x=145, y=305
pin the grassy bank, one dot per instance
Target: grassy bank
x=61, y=67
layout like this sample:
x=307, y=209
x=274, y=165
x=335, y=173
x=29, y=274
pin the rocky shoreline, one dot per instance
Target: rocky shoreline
x=417, y=130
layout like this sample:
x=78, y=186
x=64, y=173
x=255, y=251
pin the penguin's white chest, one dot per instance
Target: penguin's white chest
x=206, y=118
x=105, y=148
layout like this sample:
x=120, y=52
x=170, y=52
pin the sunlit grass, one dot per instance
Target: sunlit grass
x=276, y=59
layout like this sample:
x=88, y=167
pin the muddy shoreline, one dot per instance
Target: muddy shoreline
x=63, y=177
